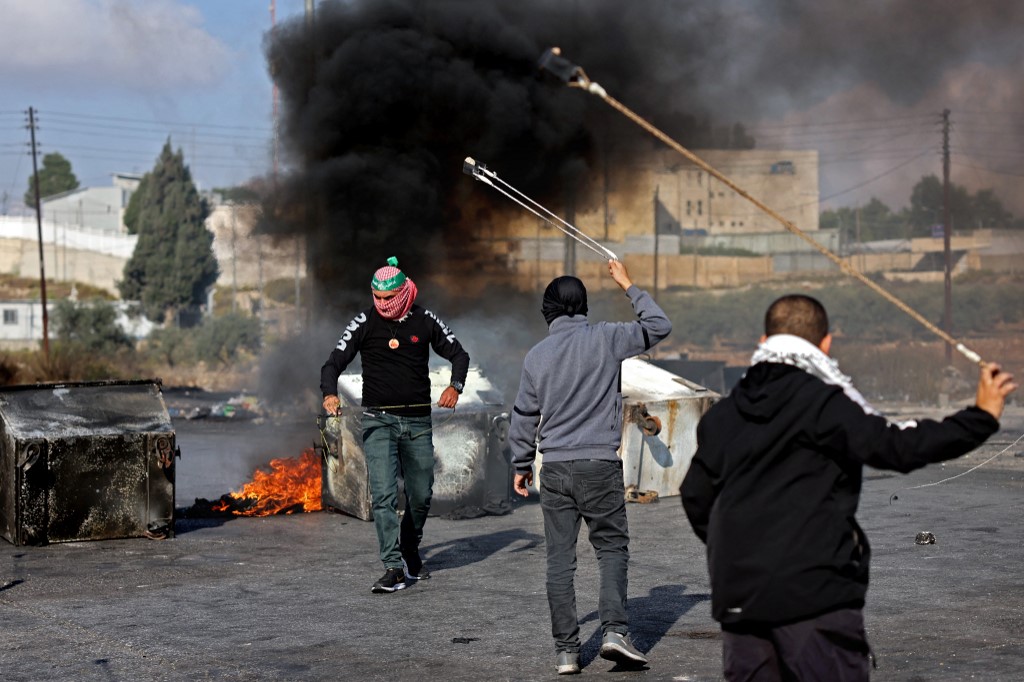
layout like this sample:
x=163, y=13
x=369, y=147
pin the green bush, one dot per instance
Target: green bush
x=221, y=339
x=172, y=346
x=91, y=326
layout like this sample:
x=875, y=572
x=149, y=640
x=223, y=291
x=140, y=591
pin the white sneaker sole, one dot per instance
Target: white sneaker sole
x=385, y=590
x=614, y=652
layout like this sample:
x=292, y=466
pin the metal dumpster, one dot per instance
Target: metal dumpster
x=659, y=430
x=473, y=470
x=660, y=411
x=85, y=461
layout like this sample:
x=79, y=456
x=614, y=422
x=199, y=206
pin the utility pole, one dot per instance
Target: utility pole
x=947, y=315
x=274, y=94
x=569, y=259
x=857, y=215
x=655, y=287
x=39, y=226
x=234, y=260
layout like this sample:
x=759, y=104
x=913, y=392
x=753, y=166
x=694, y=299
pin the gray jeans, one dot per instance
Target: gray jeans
x=590, y=490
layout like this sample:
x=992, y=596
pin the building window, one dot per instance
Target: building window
x=10, y=316
x=700, y=207
x=783, y=168
x=689, y=207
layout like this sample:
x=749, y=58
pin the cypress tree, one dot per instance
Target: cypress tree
x=173, y=265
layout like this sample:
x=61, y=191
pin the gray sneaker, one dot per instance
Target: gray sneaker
x=568, y=663
x=617, y=647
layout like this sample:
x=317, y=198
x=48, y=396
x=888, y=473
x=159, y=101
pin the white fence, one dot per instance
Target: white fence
x=68, y=236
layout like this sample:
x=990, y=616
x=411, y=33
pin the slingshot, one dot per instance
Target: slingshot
x=480, y=172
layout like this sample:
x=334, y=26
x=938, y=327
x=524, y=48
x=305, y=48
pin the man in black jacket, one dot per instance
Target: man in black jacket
x=774, y=487
x=394, y=338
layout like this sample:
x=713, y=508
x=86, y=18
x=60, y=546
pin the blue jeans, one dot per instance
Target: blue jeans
x=398, y=446
x=593, y=491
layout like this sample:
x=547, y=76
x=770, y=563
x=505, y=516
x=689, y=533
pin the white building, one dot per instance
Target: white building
x=94, y=208
x=21, y=323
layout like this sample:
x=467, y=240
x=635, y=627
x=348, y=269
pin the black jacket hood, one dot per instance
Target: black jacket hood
x=766, y=389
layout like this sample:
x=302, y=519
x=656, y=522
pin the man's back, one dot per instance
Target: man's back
x=775, y=483
x=571, y=379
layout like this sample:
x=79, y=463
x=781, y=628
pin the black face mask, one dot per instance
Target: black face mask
x=564, y=296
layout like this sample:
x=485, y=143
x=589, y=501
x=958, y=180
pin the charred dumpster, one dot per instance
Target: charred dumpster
x=659, y=429
x=85, y=461
x=660, y=412
x=473, y=470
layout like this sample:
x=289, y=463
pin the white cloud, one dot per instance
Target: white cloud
x=108, y=44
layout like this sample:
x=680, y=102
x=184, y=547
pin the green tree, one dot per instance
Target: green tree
x=131, y=211
x=55, y=177
x=966, y=212
x=988, y=211
x=173, y=265
x=876, y=219
x=240, y=194
x=90, y=325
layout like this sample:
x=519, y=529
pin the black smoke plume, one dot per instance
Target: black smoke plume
x=382, y=99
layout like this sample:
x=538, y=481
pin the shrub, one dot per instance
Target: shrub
x=221, y=339
x=91, y=325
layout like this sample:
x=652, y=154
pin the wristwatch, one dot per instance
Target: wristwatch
x=458, y=386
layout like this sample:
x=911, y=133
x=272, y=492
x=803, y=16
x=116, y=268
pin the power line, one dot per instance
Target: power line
x=989, y=113
x=889, y=119
x=152, y=121
x=843, y=191
x=960, y=164
x=120, y=132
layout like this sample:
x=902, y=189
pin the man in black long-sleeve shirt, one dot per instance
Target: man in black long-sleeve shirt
x=394, y=339
x=773, y=490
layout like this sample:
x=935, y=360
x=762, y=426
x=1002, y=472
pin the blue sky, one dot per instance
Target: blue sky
x=112, y=79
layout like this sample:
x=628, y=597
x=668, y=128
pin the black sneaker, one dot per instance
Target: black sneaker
x=393, y=579
x=414, y=569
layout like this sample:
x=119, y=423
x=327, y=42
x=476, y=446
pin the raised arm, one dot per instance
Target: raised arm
x=652, y=325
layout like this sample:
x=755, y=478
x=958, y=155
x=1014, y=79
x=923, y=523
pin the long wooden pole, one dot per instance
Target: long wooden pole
x=584, y=83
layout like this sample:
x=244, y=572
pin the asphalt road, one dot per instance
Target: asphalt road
x=288, y=597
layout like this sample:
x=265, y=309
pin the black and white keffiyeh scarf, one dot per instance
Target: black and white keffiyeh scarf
x=792, y=350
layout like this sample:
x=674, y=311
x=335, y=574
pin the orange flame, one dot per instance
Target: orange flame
x=291, y=481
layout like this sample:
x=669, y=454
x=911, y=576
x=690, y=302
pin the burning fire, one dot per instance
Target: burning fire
x=291, y=482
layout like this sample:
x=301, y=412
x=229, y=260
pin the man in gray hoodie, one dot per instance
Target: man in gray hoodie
x=569, y=407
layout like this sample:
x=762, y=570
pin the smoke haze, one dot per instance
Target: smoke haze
x=382, y=99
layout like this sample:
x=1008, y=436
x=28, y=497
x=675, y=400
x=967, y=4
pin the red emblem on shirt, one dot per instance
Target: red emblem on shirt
x=414, y=339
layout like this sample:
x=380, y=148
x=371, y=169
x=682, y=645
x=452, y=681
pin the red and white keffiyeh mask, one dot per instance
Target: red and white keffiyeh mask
x=394, y=307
